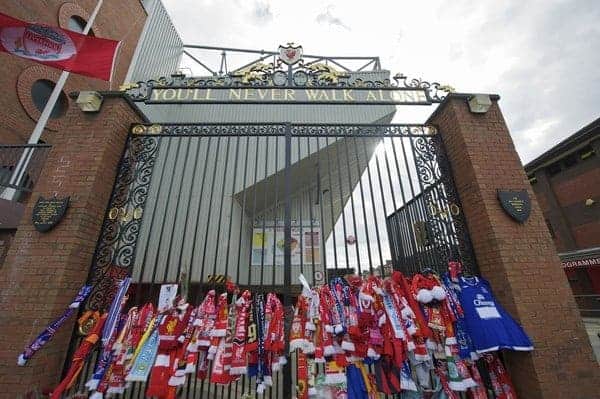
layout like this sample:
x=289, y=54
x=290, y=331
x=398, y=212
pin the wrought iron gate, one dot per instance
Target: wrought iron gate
x=264, y=203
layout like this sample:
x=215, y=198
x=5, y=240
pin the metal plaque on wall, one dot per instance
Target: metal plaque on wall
x=516, y=203
x=48, y=212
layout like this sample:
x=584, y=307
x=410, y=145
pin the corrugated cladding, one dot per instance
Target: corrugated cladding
x=159, y=50
x=196, y=216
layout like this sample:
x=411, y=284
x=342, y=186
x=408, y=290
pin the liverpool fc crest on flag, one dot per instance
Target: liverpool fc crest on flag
x=290, y=55
x=58, y=48
x=37, y=42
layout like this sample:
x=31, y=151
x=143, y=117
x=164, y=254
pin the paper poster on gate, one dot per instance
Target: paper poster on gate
x=167, y=295
x=268, y=245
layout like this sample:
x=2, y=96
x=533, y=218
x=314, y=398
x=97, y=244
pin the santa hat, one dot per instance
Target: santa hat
x=427, y=289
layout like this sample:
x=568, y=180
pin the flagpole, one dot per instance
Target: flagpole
x=19, y=171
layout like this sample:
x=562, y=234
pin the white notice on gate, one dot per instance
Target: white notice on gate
x=166, y=297
x=268, y=245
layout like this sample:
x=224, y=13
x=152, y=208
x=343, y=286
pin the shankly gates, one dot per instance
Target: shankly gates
x=257, y=202
x=263, y=203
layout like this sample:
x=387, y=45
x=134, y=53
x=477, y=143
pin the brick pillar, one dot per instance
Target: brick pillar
x=519, y=260
x=43, y=271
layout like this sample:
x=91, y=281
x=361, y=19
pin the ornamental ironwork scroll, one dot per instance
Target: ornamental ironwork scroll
x=445, y=220
x=281, y=82
x=278, y=129
x=370, y=130
x=115, y=250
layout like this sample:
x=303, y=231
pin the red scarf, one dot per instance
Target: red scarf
x=238, y=361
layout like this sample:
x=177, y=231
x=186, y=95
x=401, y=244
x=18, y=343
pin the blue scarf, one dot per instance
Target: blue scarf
x=145, y=359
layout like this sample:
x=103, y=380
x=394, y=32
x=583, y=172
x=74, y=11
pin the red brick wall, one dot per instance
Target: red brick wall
x=43, y=272
x=519, y=260
x=6, y=237
x=119, y=20
x=578, y=183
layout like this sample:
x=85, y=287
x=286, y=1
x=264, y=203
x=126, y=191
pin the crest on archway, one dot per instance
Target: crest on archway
x=290, y=54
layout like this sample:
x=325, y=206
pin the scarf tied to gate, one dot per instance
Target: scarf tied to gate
x=109, y=334
x=145, y=353
x=47, y=334
x=238, y=361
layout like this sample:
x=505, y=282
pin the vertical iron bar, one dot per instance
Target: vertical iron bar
x=274, y=212
x=264, y=216
x=342, y=202
x=210, y=201
x=254, y=189
x=192, y=379
x=351, y=188
x=205, y=168
x=218, y=235
x=322, y=221
x=287, y=254
x=187, y=155
x=335, y=258
x=382, y=195
x=364, y=205
x=301, y=202
x=235, y=168
x=209, y=214
x=409, y=207
x=310, y=211
x=162, y=223
x=242, y=214
x=372, y=200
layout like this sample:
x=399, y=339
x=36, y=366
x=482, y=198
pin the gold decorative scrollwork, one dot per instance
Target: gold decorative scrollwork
x=113, y=213
x=137, y=213
x=128, y=86
x=257, y=72
x=326, y=73
x=155, y=129
x=138, y=129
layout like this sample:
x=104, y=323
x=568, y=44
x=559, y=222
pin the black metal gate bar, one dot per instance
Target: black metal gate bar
x=359, y=266
x=287, y=261
x=373, y=205
x=362, y=196
x=310, y=208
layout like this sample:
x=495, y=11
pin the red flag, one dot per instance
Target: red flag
x=58, y=48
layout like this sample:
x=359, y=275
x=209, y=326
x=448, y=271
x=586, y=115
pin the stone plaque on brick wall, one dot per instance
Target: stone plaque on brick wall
x=48, y=212
x=516, y=204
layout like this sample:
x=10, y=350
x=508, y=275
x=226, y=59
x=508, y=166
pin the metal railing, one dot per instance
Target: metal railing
x=20, y=167
x=346, y=63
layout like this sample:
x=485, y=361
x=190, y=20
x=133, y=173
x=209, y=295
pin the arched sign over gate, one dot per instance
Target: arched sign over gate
x=264, y=203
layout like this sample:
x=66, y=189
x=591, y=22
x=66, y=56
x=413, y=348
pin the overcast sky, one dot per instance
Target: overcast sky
x=542, y=57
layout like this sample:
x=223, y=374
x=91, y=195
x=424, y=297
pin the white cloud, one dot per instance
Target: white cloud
x=541, y=57
x=327, y=17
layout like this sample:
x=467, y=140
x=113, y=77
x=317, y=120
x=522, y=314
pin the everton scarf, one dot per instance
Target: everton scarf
x=115, y=310
x=393, y=316
x=108, y=334
x=49, y=331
